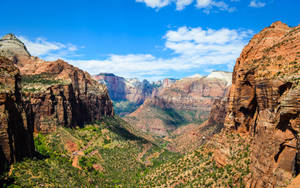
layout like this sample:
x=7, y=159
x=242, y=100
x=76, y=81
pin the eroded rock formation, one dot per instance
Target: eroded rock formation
x=186, y=101
x=16, y=127
x=59, y=93
x=120, y=88
x=264, y=104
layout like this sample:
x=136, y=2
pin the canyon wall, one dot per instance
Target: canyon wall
x=58, y=93
x=264, y=104
x=121, y=89
x=188, y=100
x=16, y=127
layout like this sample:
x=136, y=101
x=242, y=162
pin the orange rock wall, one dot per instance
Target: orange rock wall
x=264, y=103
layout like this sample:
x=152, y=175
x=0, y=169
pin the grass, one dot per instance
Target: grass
x=39, y=82
x=106, y=154
x=46, y=79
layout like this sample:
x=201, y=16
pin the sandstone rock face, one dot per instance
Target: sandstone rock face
x=167, y=82
x=73, y=98
x=126, y=89
x=264, y=104
x=193, y=94
x=59, y=93
x=11, y=47
x=185, y=101
x=16, y=127
x=218, y=112
x=116, y=85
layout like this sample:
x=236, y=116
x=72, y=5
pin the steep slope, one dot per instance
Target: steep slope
x=264, y=104
x=16, y=140
x=59, y=93
x=102, y=154
x=191, y=137
x=199, y=169
x=186, y=101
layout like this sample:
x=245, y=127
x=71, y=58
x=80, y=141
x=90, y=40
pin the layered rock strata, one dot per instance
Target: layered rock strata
x=264, y=104
x=186, y=101
x=16, y=127
x=121, y=89
x=59, y=93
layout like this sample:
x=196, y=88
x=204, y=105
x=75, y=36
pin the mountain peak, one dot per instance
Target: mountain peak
x=279, y=24
x=11, y=46
x=223, y=75
x=9, y=36
x=196, y=76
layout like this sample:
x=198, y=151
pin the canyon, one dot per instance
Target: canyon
x=39, y=96
x=129, y=93
x=220, y=130
x=188, y=100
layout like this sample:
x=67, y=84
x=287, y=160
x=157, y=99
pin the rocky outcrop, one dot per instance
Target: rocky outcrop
x=188, y=100
x=64, y=95
x=12, y=48
x=264, y=104
x=16, y=127
x=59, y=93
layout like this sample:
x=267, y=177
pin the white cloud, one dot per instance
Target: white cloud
x=207, y=5
x=181, y=4
x=204, y=3
x=192, y=48
x=48, y=50
x=155, y=3
x=257, y=4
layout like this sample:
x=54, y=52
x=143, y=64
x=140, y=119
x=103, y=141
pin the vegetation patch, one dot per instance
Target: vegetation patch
x=40, y=82
x=103, y=154
x=124, y=107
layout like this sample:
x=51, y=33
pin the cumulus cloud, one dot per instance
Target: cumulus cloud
x=48, y=50
x=191, y=48
x=206, y=5
x=257, y=4
x=155, y=3
x=181, y=4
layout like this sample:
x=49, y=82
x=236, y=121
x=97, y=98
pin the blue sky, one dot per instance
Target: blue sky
x=150, y=39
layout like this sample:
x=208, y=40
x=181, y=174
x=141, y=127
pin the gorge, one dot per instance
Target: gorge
x=241, y=129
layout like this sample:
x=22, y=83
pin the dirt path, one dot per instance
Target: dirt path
x=75, y=155
x=140, y=156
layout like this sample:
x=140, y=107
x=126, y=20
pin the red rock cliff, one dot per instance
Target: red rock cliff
x=71, y=98
x=59, y=93
x=121, y=89
x=185, y=101
x=264, y=104
x=16, y=141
